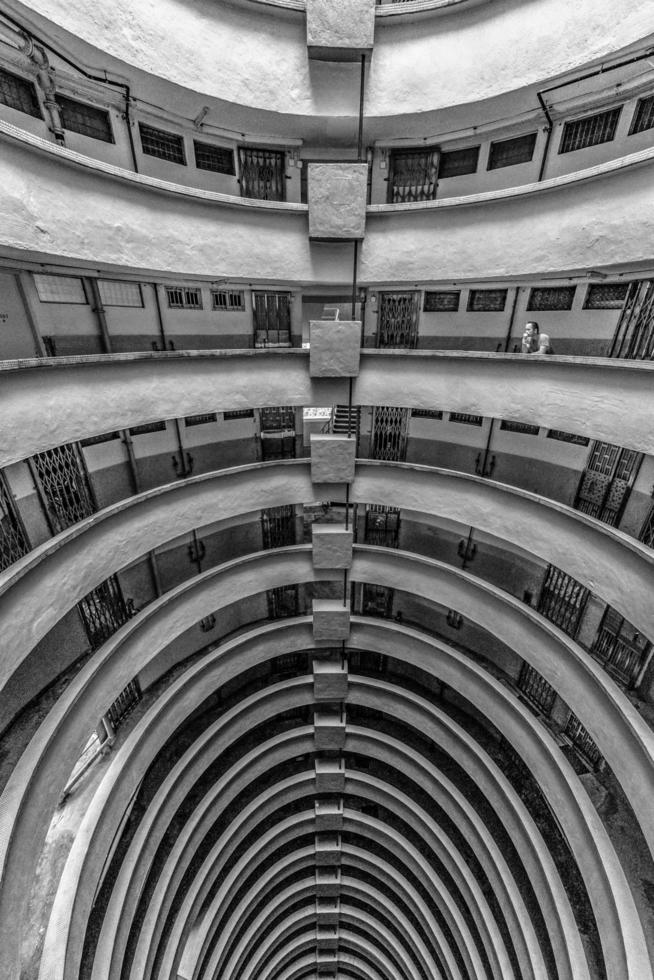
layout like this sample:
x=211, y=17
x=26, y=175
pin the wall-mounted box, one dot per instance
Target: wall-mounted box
x=332, y=546
x=332, y=458
x=337, y=196
x=340, y=30
x=335, y=348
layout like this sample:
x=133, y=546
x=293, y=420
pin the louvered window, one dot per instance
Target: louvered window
x=643, y=116
x=272, y=319
x=60, y=289
x=142, y=430
x=590, y=130
x=442, y=301
x=159, y=143
x=18, y=93
x=262, y=173
x=181, y=298
x=536, y=689
x=456, y=163
x=116, y=293
x=507, y=153
x=413, y=175
x=571, y=437
x=465, y=418
x=551, y=298
x=78, y=117
x=606, y=296
x=562, y=599
x=218, y=159
x=525, y=428
x=223, y=299
x=192, y=420
x=13, y=541
x=486, y=300
x=426, y=413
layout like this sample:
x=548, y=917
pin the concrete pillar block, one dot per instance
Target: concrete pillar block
x=330, y=680
x=332, y=458
x=340, y=30
x=328, y=849
x=326, y=962
x=328, y=730
x=329, y=815
x=328, y=909
x=331, y=620
x=328, y=882
x=337, y=198
x=327, y=936
x=335, y=349
x=332, y=546
x=330, y=776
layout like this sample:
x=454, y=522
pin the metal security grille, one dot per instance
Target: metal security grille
x=60, y=289
x=582, y=741
x=456, y=163
x=389, y=433
x=606, y=482
x=643, y=116
x=634, y=334
x=18, y=93
x=204, y=419
x=78, y=117
x=551, y=298
x=278, y=419
x=647, y=531
x=413, y=175
x=486, y=300
x=590, y=130
x=277, y=433
x=442, y=301
x=103, y=611
x=398, y=320
x=161, y=144
x=63, y=483
x=568, y=437
x=218, y=159
x=382, y=525
x=278, y=526
x=13, y=540
x=183, y=298
x=620, y=647
x=536, y=689
x=116, y=293
x=124, y=704
x=377, y=600
x=465, y=418
x=507, y=153
x=606, y=296
x=282, y=602
x=562, y=600
x=262, y=173
x=522, y=427
x=223, y=299
x=272, y=319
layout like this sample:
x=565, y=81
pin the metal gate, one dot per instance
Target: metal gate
x=389, y=433
x=13, y=540
x=413, y=175
x=634, y=334
x=621, y=649
x=282, y=602
x=606, y=482
x=278, y=526
x=562, y=599
x=63, y=484
x=582, y=741
x=536, y=689
x=377, y=600
x=263, y=174
x=277, y=433
x=398, y=320
x=103, y=611
x=382, y=525
x=272, y=319
x=124, y=704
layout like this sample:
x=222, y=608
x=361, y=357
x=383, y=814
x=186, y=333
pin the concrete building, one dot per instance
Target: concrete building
x=325, y=611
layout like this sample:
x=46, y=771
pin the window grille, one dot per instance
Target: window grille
x=456, y=163
x=582, y=741
x=116, y=293
x=103, y=611
x=620, y=647
x=19, y=93
x=278, y=419
x=590, y=130
x=389, y=433
x=486, y=300
x=382, y=525
x=272, y=319
x=282, y=602
x=522, y=427
x=398, y=320
x=551, y=298
x=218, y=159
x=183, y=298
x=161, y=144
x=141, y=430
x=96, y=440
x=426, y=413
x=562, y=600
x=241, y=413
x=606, y=482
x=278, y=526
x=63, y=482
x=643, y=116
x=647, y=531
x=568, y=437
x=377, y=600
x=192, y=420
x=606, y=296
x=222, y=299
x=466, y=419
x=13, y=541
x=124, y=704
x=78, y=117
x=536, y=689
x=262, y=173
x=507, y=153
x=413, y=175
x=634, y=334
x=443, y=301
x=60, y=289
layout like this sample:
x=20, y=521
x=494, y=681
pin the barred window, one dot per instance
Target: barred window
x=466, y=419
x=218, y=159
x=643, y=116
x=456, y=163
x=590, y=130
x=442, y=301
x=141, y=430
x=116, y=293
x=182, y=298
x=222, y=299
x=78, y=117
x=523, y=427
x=241, y=413
x=97, y=440
x=536, y=689
x=426, y=413
x=192, y=420
x=159, y=143
x=551, y=298
x=507, y=153
x=568, y=437
x=582, y=741
x=606, y=296
x=18, y=93
x=486, y=300
x=60, y=289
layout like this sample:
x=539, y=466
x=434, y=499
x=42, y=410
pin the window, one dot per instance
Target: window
x=222, y=299
x=242, y=413
x=455, y=163
x=60, y=289
x=262, y=174
x=568, y=437
x=78, y=117
x=507, y=153
x=443, y=301
x=159, y=143
x=590, y=130
x=551, y=298
x=643, y=116
x=582, y=741
x=466, y=419
x=141, y=430
x=192, y=420
x=426, y=413
x=115, y=293
x=218, y=159
x=606, y=296
x=97, y=440
x=562, y=600
x=523, y=427
x=181, y=298
x=18, y=93
x=486, y=300
x=412, y=175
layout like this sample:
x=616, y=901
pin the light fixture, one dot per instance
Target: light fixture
x=198, y=122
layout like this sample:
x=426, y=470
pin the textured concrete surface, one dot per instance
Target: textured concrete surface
x=332, y=546
x=337, y=200
x=331, y=620
x=335, y=350
x=340, y=30
x=329, y=680
x=332, y=458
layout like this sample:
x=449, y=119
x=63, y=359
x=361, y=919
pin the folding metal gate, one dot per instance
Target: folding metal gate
x=63, y=484
x=13, y=540
x=398, y=320
x=262, y=173
x=272, y=319
x=562, y=599
x=634, y=334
